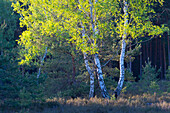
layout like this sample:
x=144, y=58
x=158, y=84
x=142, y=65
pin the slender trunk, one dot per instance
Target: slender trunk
x=168, y=51
x=100, y=77
x=150, y=51
x=42, y=60
x=130, y=63
x=91, y=93
x=144, y=53
x=141, y=64
x=73, y=65
x=167, y=20
x=97, y=85
x=160, y=58
x=74, y=68
x=164, y=58
x=122, y=71
x=122, y=55
x=147, y=50
x=96, y=58
x=156, y=51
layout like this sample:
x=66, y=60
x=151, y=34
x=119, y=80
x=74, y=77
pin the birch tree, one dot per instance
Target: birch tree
x=84, y=23
x=133, y=23
x=70, y=20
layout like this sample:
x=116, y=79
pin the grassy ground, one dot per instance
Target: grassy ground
x=145, y=103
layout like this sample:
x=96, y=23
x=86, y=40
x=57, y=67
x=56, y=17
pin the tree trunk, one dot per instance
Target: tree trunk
x=164, y=53
x=147, y=50
x=160, y=58
x=122, y=55
x=130, y=62
x=74, y=68
x=144, y=53
x=156, y=51
x=168, y=51
x=141, y=64
x=91, y=93
x=96, y=56
x=122, y=71
x=42, y=60
x=100, y=77
x=167, y=20
x=150, y=51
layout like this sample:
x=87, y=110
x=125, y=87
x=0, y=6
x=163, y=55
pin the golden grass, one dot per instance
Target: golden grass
x=132, y=104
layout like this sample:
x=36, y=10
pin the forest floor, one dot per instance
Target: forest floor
x=131, y=101
x=145, y=103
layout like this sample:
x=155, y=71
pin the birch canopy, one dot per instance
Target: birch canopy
x=61, y=20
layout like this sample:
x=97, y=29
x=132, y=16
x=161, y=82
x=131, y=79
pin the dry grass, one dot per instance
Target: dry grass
x=130, y=102
x=145, y=103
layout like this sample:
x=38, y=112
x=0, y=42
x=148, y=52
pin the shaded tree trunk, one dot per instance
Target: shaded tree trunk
x=168, y=52
x=144, y=53
x=147, y=50
x=164, y=54
x=150, y=51
x=74, y=68
x=160, y=58
x=156, y=52
x=130, y=63
x=141, y=64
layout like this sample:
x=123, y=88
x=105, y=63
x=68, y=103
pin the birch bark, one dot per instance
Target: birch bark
x=100, y=77
x=96, y=58
x=122, y=55
x=39, y=71
x=91, y=93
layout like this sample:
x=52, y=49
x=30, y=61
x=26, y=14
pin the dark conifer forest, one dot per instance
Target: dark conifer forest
x=84, y=56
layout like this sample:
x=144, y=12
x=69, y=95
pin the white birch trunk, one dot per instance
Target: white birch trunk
x=96, y=58
x=91, y=93
x=42, y=60
x=122, y=55
x=100, y=77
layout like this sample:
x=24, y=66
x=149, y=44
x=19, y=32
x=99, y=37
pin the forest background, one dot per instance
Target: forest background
x=64, y=81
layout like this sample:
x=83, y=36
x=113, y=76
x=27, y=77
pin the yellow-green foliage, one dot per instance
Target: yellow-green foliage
x=48, y=21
